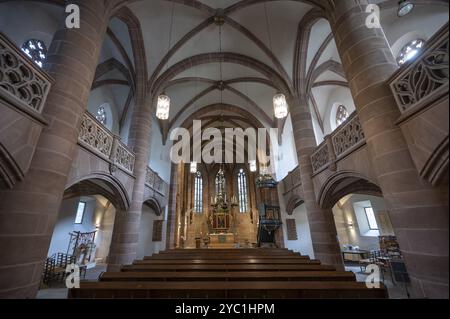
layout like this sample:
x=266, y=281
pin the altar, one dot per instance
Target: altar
x=221, y=240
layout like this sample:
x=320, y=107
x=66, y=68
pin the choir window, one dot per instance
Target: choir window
x=198, y=193
x=242, y=191
x=220, y=182
x=341, y=115
x=101, y=115
x=409, y=51
x=36, y=51
x=370, y=215
x=80, y=213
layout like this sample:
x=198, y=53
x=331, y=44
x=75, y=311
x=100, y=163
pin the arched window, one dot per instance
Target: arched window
x=242, y=191
x=409, y=51
x=198, y=193
x=220, y=182
x=101, y=115
x=341, y=115
x=36, y=51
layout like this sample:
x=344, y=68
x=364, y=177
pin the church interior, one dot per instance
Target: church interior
x=344, y=194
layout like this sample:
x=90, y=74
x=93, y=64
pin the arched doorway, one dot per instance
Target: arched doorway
x=83, y=231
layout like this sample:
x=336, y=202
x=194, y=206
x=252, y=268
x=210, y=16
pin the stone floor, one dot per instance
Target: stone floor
x=59, y=291
x=396, y=291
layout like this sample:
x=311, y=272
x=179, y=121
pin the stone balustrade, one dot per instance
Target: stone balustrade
x=21, y=81
x=348, y=137
x=292, y=180
x=24, y=87
x=154, y=181
x=426, y=78
x=98, y=139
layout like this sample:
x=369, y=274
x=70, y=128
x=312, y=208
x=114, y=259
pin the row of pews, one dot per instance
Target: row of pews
x=227, y=273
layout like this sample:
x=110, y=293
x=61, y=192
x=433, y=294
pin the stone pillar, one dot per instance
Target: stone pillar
x=419, y=212
x=29, y=211
x=125, y=236
x=172, y=216
x=321, y=221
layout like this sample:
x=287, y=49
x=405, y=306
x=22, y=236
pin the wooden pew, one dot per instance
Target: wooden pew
x=220, y=256
x=226, y=289
x=245, y=267
x=230, y=276
x=300, y=261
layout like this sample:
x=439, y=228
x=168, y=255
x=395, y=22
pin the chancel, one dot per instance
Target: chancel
x=116, y=158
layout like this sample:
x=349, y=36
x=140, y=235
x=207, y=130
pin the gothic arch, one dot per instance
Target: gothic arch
x=343, y=183
x=102, y=184
x=293, y=202
x=155, y=205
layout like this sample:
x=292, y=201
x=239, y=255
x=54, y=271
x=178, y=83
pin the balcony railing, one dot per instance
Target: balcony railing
x=153, y=180
x=345, y=139
x=426, y=78
x=292, y=180
x=98, y=139
x=21, y=81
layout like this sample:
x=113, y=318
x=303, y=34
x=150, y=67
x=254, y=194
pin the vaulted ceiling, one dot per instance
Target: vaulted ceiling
x=207, y=53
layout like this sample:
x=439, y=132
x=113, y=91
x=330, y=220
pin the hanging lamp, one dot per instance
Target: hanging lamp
x=163, y=102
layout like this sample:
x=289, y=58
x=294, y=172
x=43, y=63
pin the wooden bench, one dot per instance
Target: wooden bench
x=230, y=276
x=300, y=261
x=221, y=256
x=268, y=267
x=226, y=289
x=227, y=273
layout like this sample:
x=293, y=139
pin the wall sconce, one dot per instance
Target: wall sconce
x=350, y=223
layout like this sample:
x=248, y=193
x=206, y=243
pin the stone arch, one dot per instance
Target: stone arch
x=343, y=183
x=99, y=183
x=293, y=202
x=155, y=205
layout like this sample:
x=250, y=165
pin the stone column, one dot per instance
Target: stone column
x=419, y=212
x=29, y=211
x=125, y=236
x=321, y=221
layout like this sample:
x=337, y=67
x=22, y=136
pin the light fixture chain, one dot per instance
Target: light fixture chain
x=268, y=27
x=170, y=33
x=220, y=64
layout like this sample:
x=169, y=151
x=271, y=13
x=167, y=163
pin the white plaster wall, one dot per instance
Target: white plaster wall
x=287, y=157
x=97, y=214
x=147, y=247
x=340, y=95
x=160, y=154
x=99, y=97
x=22, y=25
x=303, y=244
x=66, y=223
x=422, y=22
x=344, y=213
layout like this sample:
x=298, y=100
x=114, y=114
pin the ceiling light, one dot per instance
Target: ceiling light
x=193, y=167
x=280, y=106
x=404, y=8
x=252, y=166
x=163, y=107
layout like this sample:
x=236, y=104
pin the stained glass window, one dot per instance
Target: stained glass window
x=409, y=51
x=198, y=193
x=101, y=115
x=220, y=182
x=242, y=191
x=36, y=51
x=341, y=115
